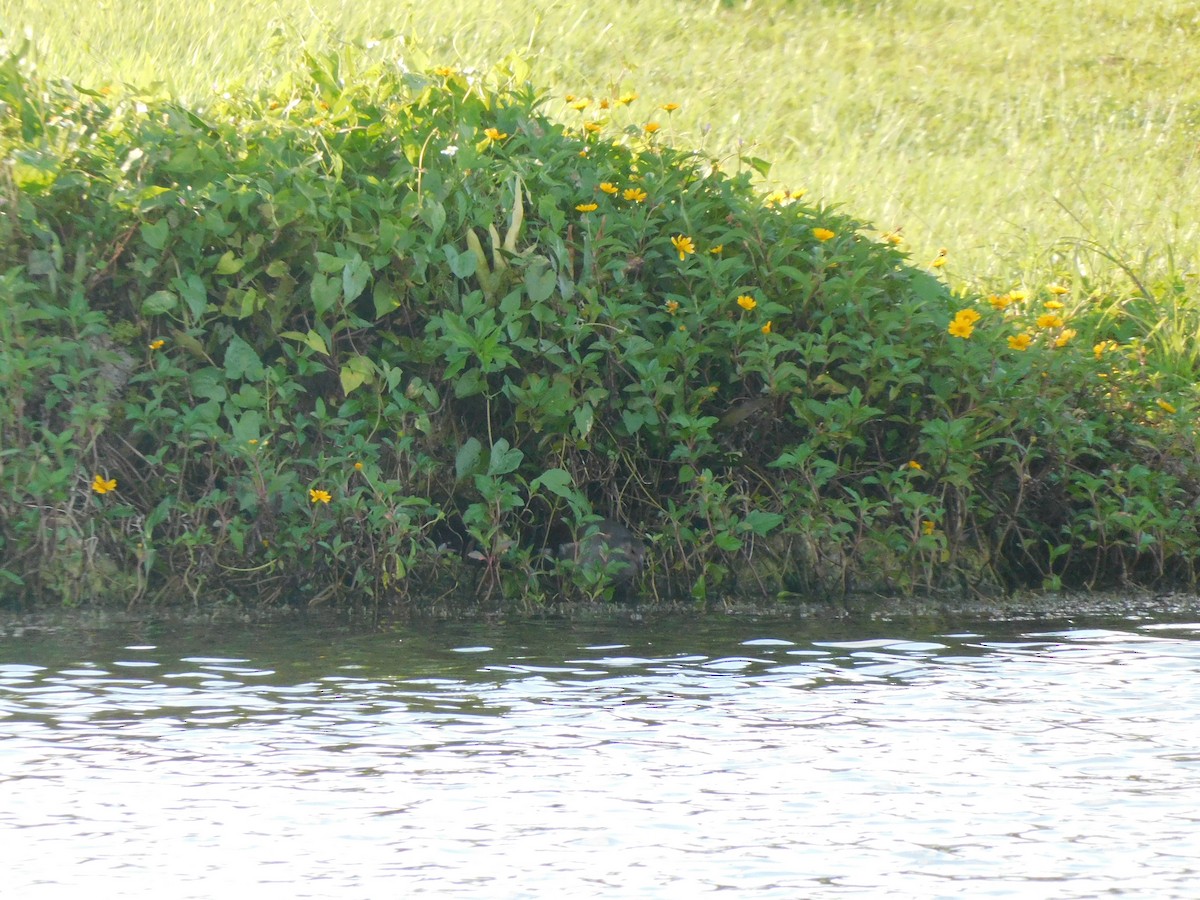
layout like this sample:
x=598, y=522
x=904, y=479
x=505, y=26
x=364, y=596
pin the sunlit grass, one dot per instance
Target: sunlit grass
x=1019, y=136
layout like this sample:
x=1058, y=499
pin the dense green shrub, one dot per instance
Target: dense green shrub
x=382, y=332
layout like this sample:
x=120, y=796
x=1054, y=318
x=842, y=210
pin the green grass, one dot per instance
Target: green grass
x=1011, y=133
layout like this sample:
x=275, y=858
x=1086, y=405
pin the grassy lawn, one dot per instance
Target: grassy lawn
x=1018, y=135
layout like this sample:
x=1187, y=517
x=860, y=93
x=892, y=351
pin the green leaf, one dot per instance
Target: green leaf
x=355, y=276
x=467, y=458
x=463, y=264
x=761, y=522
x=504, y=458
x=540, y=283
x=325, y=292
x=241, y=361
x=155, y=235
x=229, y=264
x=312, y=340
x=158, y=303
x=557, y=482
x=357, y=371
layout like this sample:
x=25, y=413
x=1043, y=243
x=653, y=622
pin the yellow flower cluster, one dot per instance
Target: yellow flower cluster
x=963, y=324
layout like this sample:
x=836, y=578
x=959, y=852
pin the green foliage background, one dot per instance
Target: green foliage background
x=386, y=286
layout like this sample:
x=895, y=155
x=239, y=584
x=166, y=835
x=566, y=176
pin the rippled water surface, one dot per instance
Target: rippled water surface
x=763, y=759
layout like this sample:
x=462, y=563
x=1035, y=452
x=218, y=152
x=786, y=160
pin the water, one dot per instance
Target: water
x=761, y=759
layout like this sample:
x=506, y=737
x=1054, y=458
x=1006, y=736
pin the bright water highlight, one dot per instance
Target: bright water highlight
x=763, y=759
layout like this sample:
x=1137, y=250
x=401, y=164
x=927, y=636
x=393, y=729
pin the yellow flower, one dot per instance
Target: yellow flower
x=1000, y=301
x=637, y=195
x=940, y=259
x=672, y=306
x=960, y=328
x=494, y=134
x=716, y=249
x=892, y=237
x=586, y=207
x=1052, y=304
x=775, y=197
x=443, y=71
x=1165, y=406
x=1049, y=320
x=927, y=526
x=318, y=496
x=967, y=316
x=1064, y=337
x=822, y=234
x=581, y=104
x=670, y=107
x=627, y=98
x=652, y=127
x=604, y=103
x=1019, y=341
x=608, y=187
x=157, y=344
x=913, y=464
x=1018, y=296
x=592, y=127
x=1104, y=347
x=102, y=485
x=747, y=302
x=358, y=467
x=684, y=245
x=1058, y=289
x=766, y=329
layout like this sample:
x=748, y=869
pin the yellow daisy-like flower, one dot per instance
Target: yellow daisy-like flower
x=581, y=104
x=1064, y=337
x=358, y=467
x=716, y=249
x=766, y=329
x=157, y=344
x=684, y=245
x=1053, y=304
x=670, y=107
x=494, y=134
x=968, y=315
x=940, y=259
x=443, y=71
x=1104, y=347
x=927, y=526
x=1165, y=406
x=102, y=485
x=913, y=464
x=635, y=195
x=1058, y=289
x=627, y=98
x=1019, y=341
x=652, y=127
x=892, y=237
x=961, y=329
x=608, y=187
x=672, y=306
x=1049, y=320
x=604, y=103
x=592, y=127
x=822, y=234
x=586, y=207
x=1000, y=301
x=316, y=495
x=1018, y=296
x=747, y=302
x=775, y=197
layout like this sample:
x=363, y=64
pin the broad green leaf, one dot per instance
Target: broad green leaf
x=357, y=371
x=504, y=459
x=241, y=361
x=312, y=340
x=229, y=264
x=355, y=276
x=467, y=458
x=557, y=482
x=158, y=303
x=155, y=235
x=540, y=283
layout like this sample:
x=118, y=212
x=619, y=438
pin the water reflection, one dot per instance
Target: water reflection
x=562, y=760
